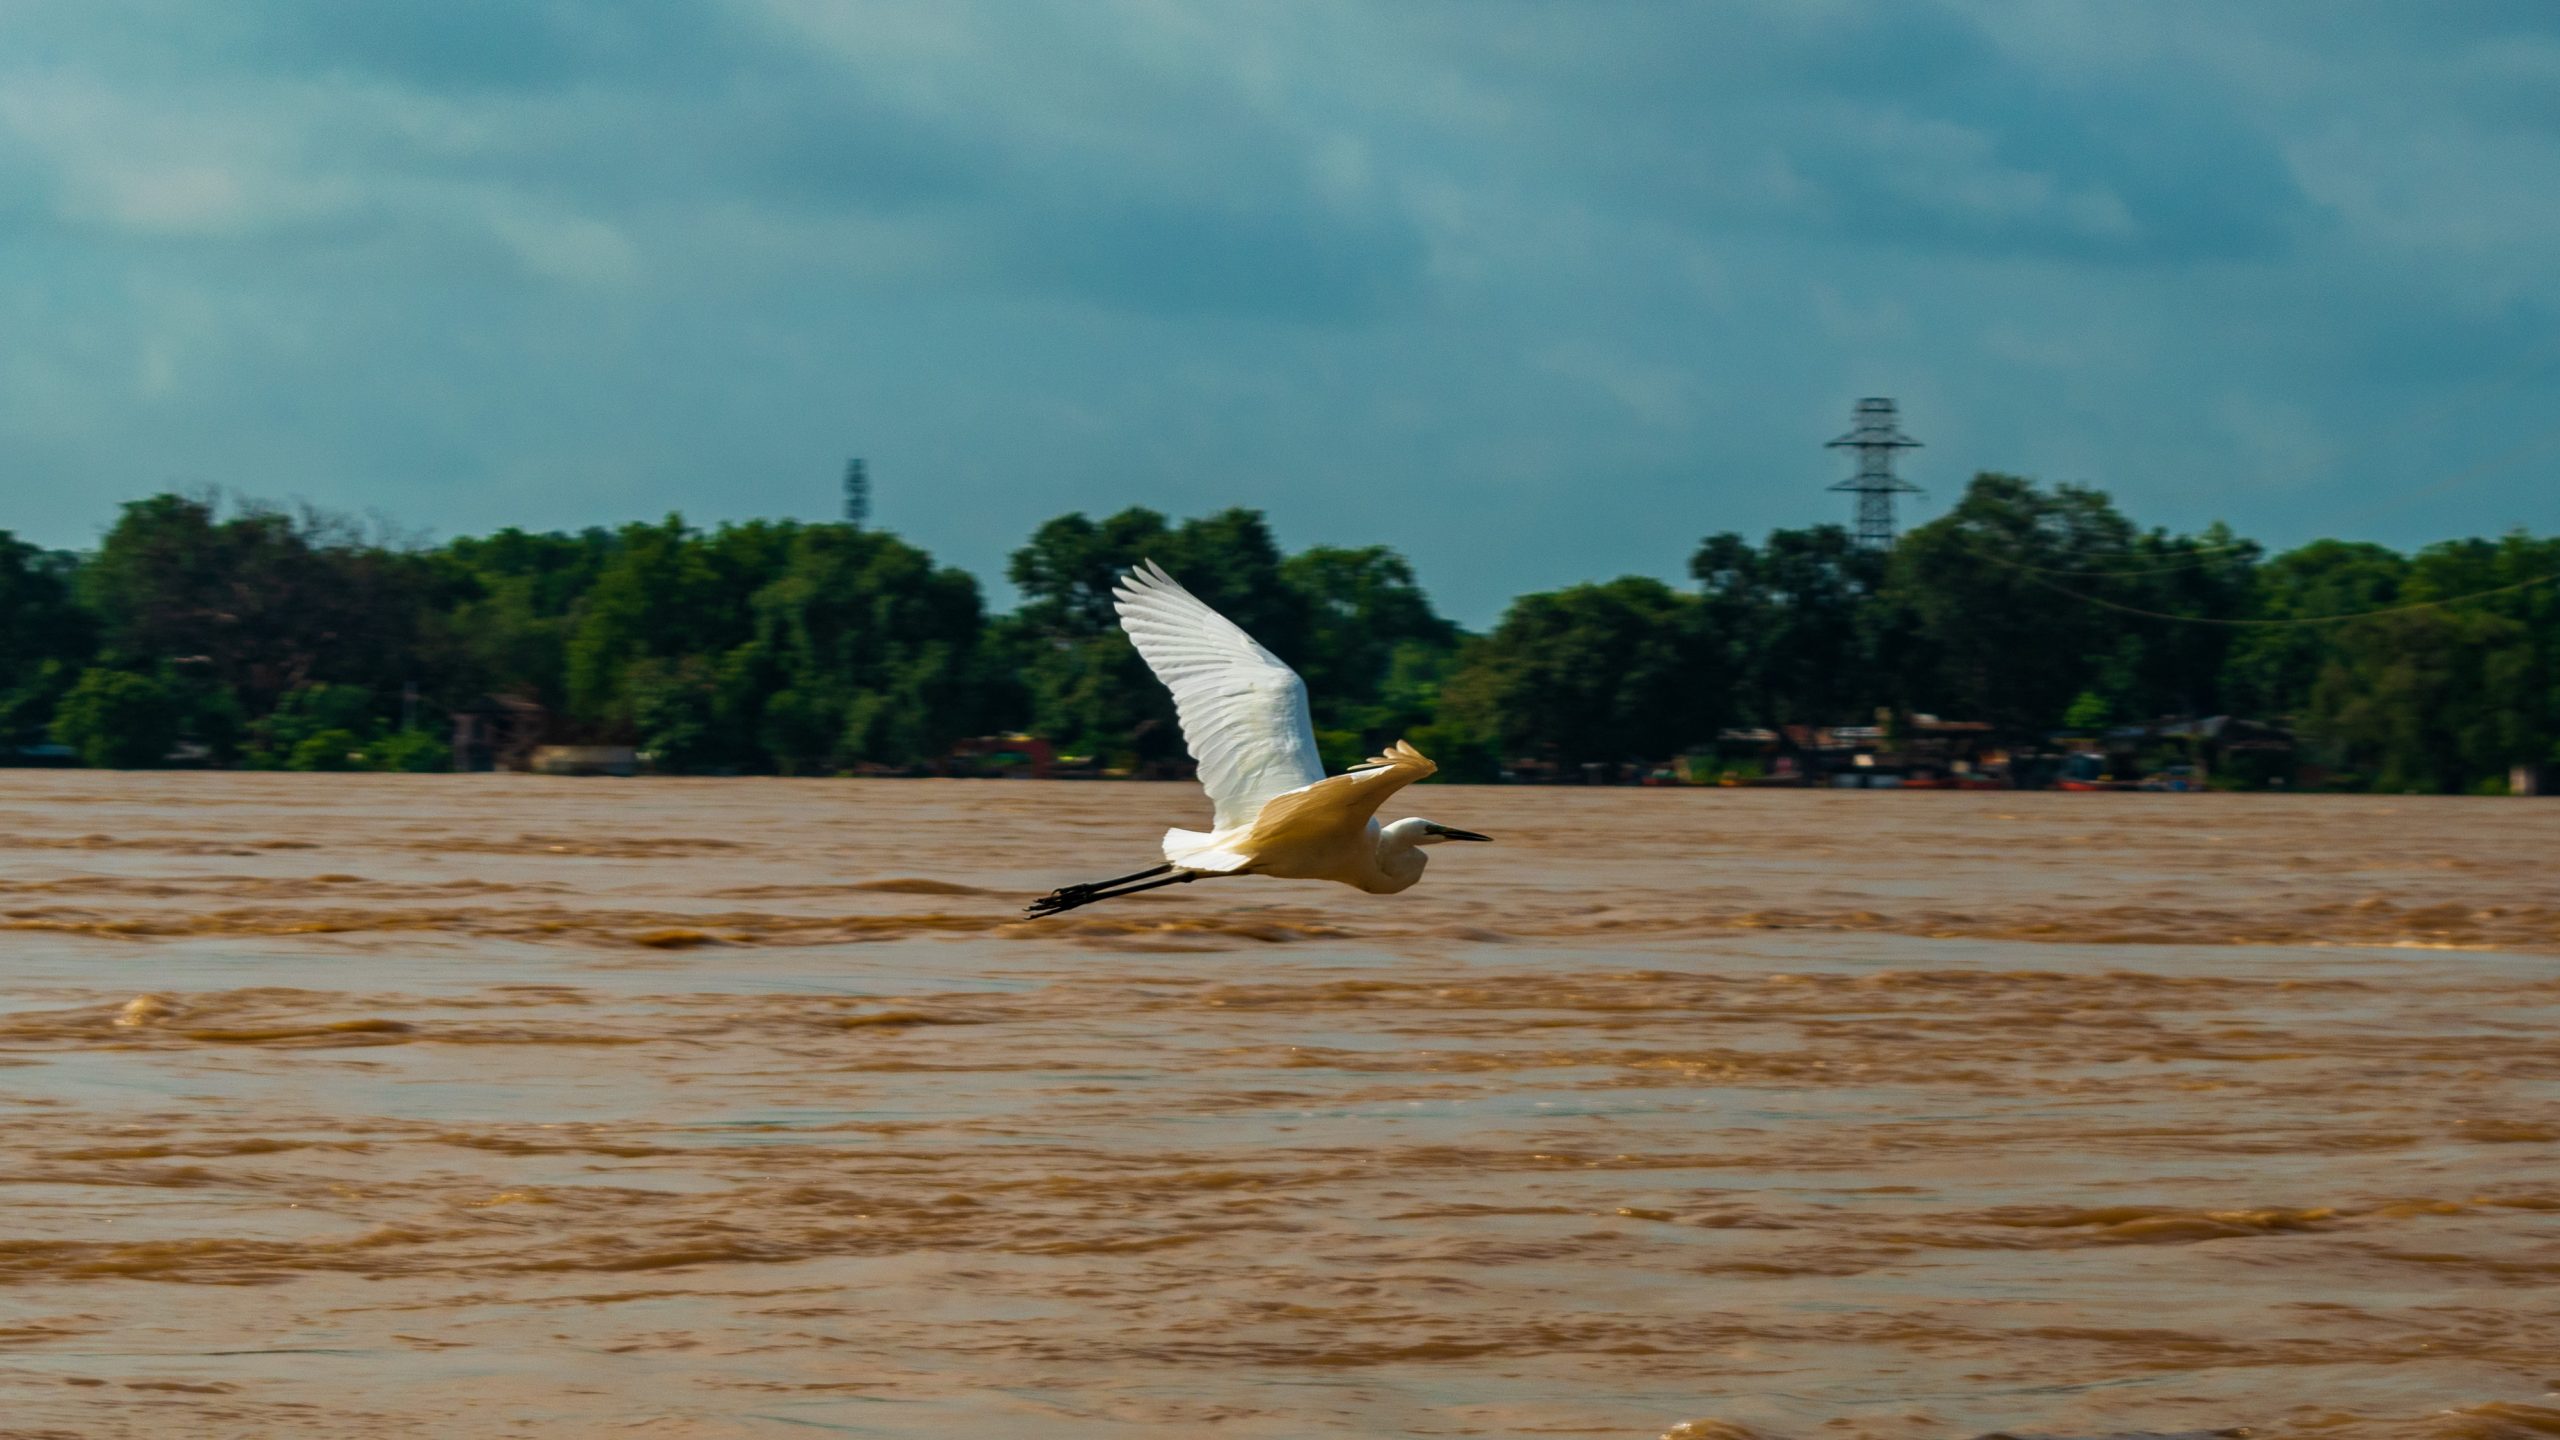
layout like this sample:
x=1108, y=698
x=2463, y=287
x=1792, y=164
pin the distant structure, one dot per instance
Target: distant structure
x=857, y=492
x=1875, y=436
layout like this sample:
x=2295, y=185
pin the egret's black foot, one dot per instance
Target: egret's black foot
x=1064, y=898
x=1068, y=897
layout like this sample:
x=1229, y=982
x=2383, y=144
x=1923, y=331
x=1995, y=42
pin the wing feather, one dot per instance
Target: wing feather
x=1244, y=711
x=1352, y=796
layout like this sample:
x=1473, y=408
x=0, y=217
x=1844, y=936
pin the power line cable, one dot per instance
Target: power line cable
x=2193, y=563
x=2300, y=620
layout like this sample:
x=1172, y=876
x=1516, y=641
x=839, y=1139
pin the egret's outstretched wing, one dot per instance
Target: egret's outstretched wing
x=1351, y=798
x=1244, y=713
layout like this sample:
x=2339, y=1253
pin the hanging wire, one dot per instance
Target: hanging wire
x=2190, y=563
x=2297, y=621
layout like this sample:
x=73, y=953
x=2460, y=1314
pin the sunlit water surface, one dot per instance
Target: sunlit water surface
x=491, y=1105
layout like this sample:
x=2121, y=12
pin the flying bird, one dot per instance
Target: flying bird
x=1244, y=718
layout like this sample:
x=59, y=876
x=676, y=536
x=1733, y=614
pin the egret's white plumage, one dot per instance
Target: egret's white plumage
x=1244, y=711
x=1244, y=716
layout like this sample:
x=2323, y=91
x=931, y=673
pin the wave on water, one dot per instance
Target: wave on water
x=320, y=908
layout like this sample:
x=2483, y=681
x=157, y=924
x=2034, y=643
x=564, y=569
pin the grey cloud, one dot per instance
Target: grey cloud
x=477, y=45
x=1262, y=260
x=1597, y=278
x=1897, y=124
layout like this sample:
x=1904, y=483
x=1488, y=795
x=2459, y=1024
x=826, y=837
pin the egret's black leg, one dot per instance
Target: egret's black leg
x=1076, y=895
x=1146, y=874
x=1067, y=897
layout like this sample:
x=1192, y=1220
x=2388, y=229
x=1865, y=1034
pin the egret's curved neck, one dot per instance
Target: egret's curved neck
x=1400, y=857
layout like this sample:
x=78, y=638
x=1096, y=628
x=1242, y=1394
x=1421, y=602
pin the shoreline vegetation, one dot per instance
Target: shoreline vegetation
x=240, y=634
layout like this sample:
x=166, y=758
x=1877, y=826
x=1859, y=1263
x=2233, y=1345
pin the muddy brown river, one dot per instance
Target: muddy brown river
x=499, y=1106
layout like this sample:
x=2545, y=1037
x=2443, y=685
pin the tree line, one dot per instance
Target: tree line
x=245, y=634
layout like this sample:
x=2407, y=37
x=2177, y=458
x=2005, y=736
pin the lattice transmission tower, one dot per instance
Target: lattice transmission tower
x=1875, y=436
x=857, y=493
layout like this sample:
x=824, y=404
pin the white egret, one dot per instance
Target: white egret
x=1244, y=717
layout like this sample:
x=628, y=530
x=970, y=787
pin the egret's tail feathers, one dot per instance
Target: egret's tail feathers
x=1194, y=851
x=1399, y=756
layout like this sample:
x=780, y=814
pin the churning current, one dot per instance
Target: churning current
x=449, y=1105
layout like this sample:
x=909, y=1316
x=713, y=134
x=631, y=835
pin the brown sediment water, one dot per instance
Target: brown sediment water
x=448, y=1105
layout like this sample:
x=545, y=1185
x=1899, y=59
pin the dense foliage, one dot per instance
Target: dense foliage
x=248, y=635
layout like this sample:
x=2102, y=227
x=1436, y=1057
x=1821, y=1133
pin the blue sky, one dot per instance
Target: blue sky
x=1535, y=293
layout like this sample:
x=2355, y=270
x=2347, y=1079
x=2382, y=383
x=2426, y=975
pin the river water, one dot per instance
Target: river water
x=496, y=1105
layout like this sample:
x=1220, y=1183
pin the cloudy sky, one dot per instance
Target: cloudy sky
x=1535, y=293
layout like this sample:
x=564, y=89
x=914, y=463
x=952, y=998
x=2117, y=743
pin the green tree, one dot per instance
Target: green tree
x=121, y=720
x=2439, y=699
x=258, y=601
x=1990, y=635
x=1067, y=569
x=511, y=606
x=326, y=750
x=874, y=648
x=1795, y=622
x=666, y=591
x=411, y=751
x=283, y=738
x=45, y=637
x=2020, y=600
x=693, y=714
x=1371, y=639
x=1231, y=561
x=2271, y=669
x=2089, y=712
x=1611, y=672
x=283, y=636
x=2411, y=700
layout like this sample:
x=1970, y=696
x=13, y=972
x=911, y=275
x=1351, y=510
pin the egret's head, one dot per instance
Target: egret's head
x=1432, y=832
